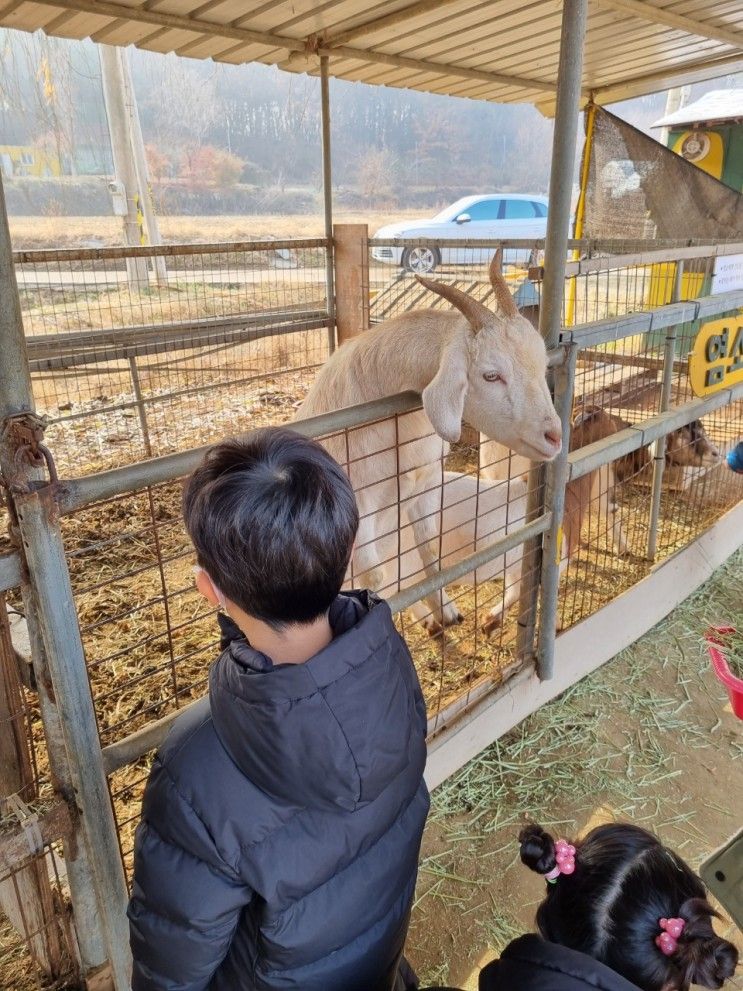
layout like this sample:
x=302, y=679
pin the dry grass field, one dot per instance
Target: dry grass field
x=71, y=232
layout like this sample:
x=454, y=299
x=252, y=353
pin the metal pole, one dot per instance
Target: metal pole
x=574, y=17
x=659, y=460
x=327, y=192
x=83, y=888
x=37, y=518
x=557, y=478
x=16, y=397
x=580, y=210
x=676, y=98
x=15, y=377
x=141, y=410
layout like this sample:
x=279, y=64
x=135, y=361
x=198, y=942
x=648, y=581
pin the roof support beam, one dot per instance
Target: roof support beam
x=140, y=15
x=436, y=68
x=696, y=72
x=658, y=15
x=389, y=21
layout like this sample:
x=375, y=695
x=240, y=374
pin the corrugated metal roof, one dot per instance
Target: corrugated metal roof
x=720, y=104
x=502, y=50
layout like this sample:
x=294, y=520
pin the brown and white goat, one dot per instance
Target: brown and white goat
x=595, y=489
x=690, y=446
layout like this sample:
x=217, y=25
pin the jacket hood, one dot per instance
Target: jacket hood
x=530, y=963
x=332, y=731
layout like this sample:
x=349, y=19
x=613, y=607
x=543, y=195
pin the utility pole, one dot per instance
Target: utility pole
x=129, y=191
x=140, y=163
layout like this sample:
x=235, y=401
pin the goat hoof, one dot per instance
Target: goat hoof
x=450, y=616
x=436, y=627
x=491, y=624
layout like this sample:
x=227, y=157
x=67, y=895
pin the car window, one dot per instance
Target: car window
x=483, y=209
x=519, y=210
x=539, y=209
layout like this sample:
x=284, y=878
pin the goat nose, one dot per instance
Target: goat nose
x=553, y=437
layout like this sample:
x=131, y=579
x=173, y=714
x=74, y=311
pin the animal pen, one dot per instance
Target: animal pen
x=114, y=378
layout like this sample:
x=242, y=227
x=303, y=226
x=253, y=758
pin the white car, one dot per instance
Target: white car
x=499, y=216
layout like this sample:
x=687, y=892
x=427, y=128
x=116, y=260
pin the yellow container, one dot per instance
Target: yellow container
x=662, y=279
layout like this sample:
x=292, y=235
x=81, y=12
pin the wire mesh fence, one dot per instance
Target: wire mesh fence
x=37, y=943
x=127, y=366
x=603, y=278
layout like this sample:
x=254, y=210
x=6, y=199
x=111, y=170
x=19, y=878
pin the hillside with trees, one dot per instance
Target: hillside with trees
x=224, y=139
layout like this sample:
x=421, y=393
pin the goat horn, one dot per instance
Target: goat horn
x=477, y=314
x=503, y=297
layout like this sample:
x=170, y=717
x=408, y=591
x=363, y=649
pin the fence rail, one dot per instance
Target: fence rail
x=38, y=255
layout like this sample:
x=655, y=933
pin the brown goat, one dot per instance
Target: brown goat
x=588, y=427
x=629, y=464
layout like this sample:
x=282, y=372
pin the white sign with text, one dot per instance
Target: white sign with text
x=728, y=274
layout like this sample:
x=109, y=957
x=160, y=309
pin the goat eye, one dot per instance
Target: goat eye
x=493, y=377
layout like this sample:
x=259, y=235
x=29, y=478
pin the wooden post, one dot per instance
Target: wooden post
x=26, y=896
x=351, y=279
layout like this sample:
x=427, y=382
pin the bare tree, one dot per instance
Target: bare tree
x=36, y=82
x=184, y=105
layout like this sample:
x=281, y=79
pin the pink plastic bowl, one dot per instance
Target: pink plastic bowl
x=715, y=638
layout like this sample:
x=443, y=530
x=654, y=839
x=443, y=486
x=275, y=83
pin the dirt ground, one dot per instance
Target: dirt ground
x=650, y=738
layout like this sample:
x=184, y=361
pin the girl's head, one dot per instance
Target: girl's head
x=625, y=881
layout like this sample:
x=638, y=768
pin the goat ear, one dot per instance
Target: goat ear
x=443, y=397
x=585, y=416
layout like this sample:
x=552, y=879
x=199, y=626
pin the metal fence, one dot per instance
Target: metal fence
x=108, y=540
x=624, y=516
x=126, y=368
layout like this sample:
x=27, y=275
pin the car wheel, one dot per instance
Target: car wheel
x=420, y=260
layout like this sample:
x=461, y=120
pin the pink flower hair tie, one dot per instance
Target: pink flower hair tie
x=668, y=939
x=565, y=857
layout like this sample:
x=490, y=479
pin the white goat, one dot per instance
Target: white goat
x=488, y=368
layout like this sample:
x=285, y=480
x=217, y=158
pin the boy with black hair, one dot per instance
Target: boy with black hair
x=282, y=820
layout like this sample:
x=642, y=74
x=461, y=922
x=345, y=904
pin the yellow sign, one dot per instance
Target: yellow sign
x=716, y=361
x=704, y=148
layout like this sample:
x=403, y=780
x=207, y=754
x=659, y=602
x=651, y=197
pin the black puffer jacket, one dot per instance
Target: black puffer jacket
x=532, y=964
x=282, y=820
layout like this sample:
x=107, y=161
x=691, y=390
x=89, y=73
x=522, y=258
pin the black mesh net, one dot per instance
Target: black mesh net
x=638, y=188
